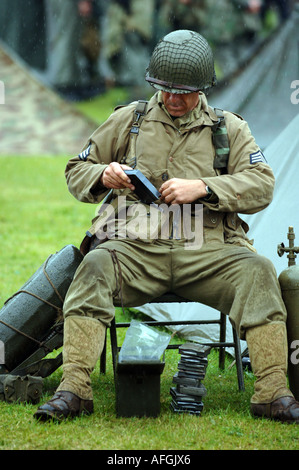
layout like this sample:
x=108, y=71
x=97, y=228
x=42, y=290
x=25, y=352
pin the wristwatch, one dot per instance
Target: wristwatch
x=209, y=191
x=210, y=195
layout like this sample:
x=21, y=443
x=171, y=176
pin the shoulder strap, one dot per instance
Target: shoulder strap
x=140, y=111
x=220, y=141
x=220, y=137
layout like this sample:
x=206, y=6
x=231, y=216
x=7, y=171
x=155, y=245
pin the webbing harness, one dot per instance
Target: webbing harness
x=220, y=141
x=219, y=138
x=140, y=111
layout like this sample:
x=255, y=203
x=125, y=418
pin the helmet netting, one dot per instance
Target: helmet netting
x=183, y=58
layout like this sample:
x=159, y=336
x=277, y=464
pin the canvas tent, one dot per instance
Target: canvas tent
x=34, y=120
x=262, y=92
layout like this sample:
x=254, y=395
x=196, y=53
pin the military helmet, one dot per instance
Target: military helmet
x=182, y=62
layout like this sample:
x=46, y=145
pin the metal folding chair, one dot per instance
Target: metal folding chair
x=221, y=344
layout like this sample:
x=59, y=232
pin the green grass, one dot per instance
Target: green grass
x=100, y=107
x=38, y=217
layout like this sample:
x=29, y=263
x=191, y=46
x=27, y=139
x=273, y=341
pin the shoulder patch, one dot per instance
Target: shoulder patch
x=257, y=157
x=83, y=155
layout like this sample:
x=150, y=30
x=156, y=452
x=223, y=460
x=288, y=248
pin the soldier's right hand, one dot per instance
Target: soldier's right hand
x=114, y=176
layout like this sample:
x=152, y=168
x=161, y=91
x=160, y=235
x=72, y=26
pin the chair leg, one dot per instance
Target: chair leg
x=103, y=357
x=222, y=340
x=238, y=360
x=114, y=348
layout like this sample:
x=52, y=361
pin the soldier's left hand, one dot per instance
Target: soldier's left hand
x=182, y=191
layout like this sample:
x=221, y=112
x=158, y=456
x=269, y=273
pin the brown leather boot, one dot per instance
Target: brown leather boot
x=285, y=409
x=63, y=405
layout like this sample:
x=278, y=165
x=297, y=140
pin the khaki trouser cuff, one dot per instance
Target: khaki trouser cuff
x=83, y=344
x=267, y=345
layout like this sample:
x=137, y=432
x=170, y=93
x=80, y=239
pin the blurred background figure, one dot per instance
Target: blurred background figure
x=83, y=47
x=180, y=14
x=127, y=43
x=232, y=27
x=74, y=45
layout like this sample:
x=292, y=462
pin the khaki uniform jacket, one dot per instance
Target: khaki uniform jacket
x=181, y=148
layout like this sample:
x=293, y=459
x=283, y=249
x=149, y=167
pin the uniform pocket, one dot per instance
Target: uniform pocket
x=235, y=230
x=213, y=226
x=158, y=177
x=233, y=221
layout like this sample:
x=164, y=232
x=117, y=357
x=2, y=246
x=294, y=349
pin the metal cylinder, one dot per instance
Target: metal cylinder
x=27, y=317
x=289, y=282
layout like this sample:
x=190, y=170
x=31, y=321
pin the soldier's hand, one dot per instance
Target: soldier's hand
x=182, y=191
x=114, y=177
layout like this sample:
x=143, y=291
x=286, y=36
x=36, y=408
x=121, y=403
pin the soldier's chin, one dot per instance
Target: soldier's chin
x=176, y=111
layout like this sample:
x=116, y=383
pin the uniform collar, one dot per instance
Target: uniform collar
x=203, y=114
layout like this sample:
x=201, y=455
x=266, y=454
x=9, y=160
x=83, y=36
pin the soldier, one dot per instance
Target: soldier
x=127, y=34
x=181, y=14
x=231, y=32
x=174, y=149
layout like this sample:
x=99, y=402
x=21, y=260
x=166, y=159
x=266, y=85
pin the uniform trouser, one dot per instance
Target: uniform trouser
x=227, y=277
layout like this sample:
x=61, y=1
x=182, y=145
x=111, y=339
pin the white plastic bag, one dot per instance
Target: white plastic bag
x=143, y=343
